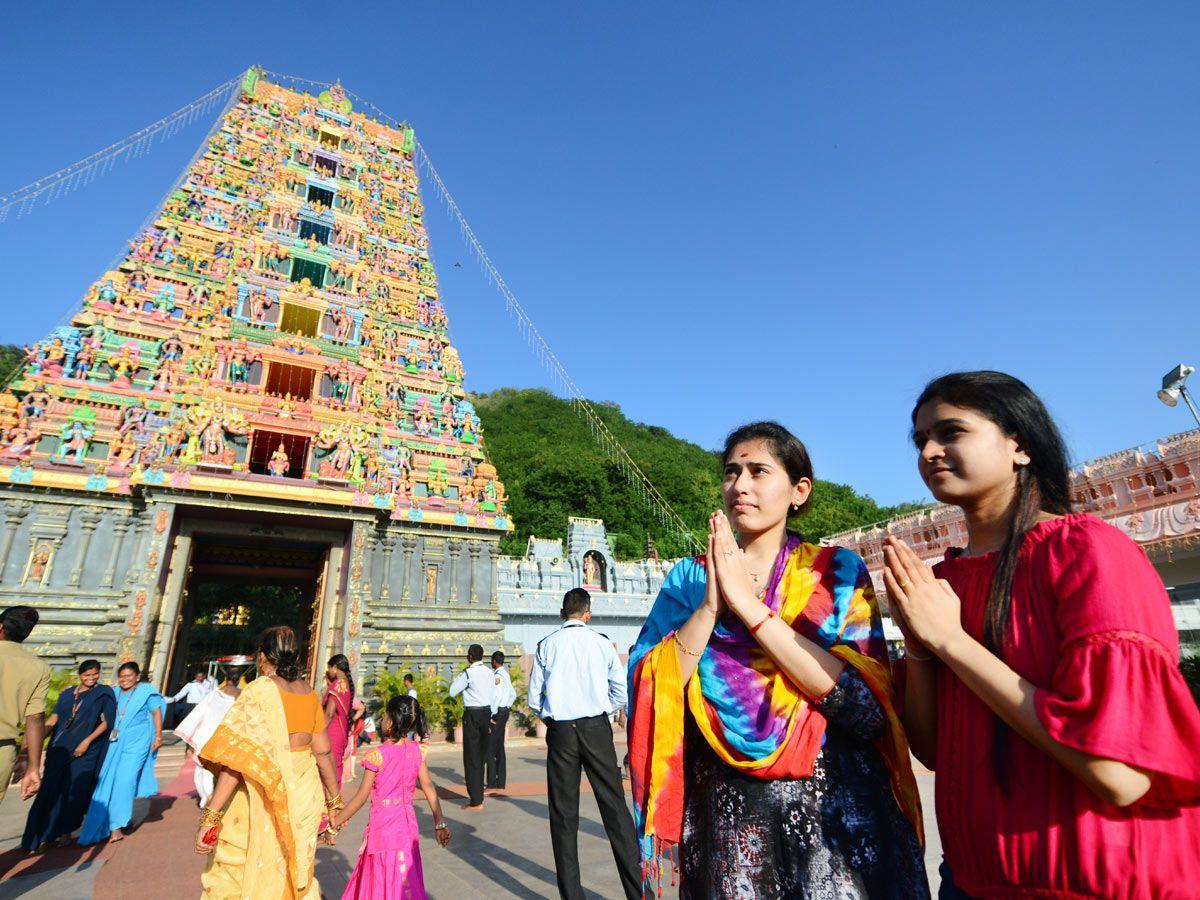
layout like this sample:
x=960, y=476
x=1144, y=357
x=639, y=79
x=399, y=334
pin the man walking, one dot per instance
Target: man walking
x=477, y=685
x=503, y=698
x=577, y=681
x=191, y=694
x=24, y=680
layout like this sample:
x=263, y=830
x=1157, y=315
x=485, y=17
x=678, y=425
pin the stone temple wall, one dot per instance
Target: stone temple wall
x=530, y=588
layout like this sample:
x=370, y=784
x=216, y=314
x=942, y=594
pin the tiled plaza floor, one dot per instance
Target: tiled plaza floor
x=502, y=851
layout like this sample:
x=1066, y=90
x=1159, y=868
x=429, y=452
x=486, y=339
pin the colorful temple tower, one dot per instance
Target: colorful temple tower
x=257, y=418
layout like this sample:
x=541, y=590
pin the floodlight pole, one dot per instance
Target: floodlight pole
x=1187, y=398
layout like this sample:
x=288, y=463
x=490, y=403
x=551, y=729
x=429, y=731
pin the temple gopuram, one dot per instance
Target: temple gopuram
x=257, y=418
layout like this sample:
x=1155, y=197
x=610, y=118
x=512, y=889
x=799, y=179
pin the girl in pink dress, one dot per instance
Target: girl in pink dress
x=389, y=861
x=337, y=702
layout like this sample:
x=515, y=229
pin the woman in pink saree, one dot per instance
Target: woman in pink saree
x=337, y=702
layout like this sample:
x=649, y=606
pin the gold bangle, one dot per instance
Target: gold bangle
x=681, y=646
x=209, y=817
x=441, y=826
x=335, y=803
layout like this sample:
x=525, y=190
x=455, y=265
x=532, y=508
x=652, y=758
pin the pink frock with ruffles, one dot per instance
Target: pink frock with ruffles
x=1092, y=629
x=389, y=861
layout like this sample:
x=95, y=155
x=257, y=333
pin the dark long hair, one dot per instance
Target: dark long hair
x=784, y=446
x=281, y=649
x=1044, y=484
x=404, y=716
x=339, y=661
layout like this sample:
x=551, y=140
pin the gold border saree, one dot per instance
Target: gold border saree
x=268, y=838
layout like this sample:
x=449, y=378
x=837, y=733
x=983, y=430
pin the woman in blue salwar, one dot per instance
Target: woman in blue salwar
x=128, y=770
x=79, y=725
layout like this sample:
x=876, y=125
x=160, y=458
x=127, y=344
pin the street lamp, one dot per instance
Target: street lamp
x=1173, y=388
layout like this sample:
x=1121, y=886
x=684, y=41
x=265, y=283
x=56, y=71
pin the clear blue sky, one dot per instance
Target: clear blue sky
x=713, y=212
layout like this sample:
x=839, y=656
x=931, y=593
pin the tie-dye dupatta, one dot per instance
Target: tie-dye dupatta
x=750, y=713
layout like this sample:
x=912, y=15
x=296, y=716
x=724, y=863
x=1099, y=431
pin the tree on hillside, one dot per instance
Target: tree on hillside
x=11, y=357
x=553, y=468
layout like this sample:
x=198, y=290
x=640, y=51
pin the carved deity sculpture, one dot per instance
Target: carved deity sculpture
x=20, y=440
x=38, y=565
x=85, y=358
x=260, y=305
x=279, y=463
x=591, y=572
x=342, y=323
x=171, y=348
x=423, y=417
x=241, y=357
x=51, y=361
x=74, y=440
x=124, y=364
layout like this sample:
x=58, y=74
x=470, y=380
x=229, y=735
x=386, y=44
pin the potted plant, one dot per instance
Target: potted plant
x=433, y=694
x=452, y=717
x=522, y=719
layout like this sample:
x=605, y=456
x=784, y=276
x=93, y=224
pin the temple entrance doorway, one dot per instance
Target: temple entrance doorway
x=235, y=589
x=229, y=578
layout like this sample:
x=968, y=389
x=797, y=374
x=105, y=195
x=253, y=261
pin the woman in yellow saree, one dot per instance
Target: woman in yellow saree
x=262, y=822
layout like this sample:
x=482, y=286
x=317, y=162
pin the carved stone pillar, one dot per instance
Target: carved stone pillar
x=121, y=525
x=453, y=546
x=387, y=543
x=139, y=539
x=88, y=520
x=473, y=549
x=14, y=514
x=409, y=544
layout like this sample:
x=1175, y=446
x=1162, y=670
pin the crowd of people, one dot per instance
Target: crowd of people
x=770, y=733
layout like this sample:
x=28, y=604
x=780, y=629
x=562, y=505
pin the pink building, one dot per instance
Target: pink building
x=1151, y=492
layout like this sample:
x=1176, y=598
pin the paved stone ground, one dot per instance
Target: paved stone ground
x=502, y=851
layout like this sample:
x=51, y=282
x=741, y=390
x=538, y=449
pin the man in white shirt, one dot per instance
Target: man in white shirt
x=193, y=692
x=409, y=687
x=576, y=683
x=477, y=685
x=502, y=700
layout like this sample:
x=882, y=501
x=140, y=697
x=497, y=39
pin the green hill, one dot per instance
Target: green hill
x=552, y=468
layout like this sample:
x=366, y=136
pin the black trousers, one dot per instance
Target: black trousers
x=475, y=737
x=573, y=747
x=497, y=777
x=181, y=711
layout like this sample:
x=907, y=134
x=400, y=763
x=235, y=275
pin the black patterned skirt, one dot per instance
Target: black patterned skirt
x=837, y=834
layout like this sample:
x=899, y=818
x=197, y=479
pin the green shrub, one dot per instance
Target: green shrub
x=60, y=680
x=521, y=714
x=432, y=693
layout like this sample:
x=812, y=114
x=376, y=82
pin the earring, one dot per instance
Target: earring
x=1022, y=460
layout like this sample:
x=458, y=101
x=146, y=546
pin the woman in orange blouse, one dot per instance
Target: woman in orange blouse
x=261, y=823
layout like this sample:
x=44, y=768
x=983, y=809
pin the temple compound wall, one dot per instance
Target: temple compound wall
x=530, y=588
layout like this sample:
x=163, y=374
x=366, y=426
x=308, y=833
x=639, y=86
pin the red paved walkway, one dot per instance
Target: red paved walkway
x=149, y=861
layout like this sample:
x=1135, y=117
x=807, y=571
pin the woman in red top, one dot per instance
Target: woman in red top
x=1042, y=680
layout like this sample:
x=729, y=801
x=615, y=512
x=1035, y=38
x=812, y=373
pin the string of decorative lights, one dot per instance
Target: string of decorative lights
x=83, y=172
